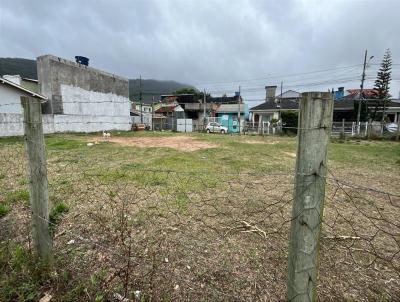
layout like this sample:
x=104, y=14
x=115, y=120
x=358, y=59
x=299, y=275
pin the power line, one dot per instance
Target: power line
x=281, y=75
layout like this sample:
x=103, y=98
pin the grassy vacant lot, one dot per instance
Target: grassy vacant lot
x=134, y=219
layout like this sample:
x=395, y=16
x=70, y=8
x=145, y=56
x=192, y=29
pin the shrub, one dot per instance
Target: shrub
x=289, y=121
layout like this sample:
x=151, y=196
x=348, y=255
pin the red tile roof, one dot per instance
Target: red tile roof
x=166, y=109
x=369, y=92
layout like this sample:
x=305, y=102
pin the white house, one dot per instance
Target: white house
x=274, y=105
x=11, y=112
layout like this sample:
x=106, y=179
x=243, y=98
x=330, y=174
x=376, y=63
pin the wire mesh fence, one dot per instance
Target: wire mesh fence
x=190, y=235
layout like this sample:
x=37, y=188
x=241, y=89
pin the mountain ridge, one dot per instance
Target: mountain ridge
x=26, y=68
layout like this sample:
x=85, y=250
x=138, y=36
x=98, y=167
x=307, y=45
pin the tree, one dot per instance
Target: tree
x=289, y=121
x=186, y=90
x=191, y=90
x=382, y=82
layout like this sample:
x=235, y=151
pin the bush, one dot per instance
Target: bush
x=289, y=121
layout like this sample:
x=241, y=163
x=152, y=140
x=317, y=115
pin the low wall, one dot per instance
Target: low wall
x=11, y=124
x=76, y=123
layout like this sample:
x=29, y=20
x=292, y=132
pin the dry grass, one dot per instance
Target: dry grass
x=211, y=235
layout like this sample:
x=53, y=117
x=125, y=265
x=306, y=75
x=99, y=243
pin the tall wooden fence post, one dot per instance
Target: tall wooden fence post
x=314, y=128
x=39, y=198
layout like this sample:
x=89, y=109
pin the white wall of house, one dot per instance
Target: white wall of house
x=13, y=78
x=10, y=101
x=11, y=124
x=10, y=111
x=145, y=107
x=264, y=117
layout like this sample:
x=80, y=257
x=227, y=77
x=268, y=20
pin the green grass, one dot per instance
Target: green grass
x=55, y=143
x=4, y=209
x=12, y=197
x=56, y=213
x=232, y=153
x=17, y=196
x=365, y=153
x=21, y=274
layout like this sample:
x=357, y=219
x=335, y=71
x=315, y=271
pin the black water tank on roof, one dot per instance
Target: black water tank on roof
x=82, y=60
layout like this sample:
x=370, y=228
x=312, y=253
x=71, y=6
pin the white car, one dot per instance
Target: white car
x=215, y=127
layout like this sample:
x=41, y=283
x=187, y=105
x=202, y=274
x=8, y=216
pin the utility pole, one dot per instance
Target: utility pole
x=361, y=92
x=152, y=115
x=204, y=109
x=239, y=110
x=280, y=101
x=140, y=99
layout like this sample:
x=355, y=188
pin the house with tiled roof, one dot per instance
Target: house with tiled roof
x=346, y=106
x=274, y=105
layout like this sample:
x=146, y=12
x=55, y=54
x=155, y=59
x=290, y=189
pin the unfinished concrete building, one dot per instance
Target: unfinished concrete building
x=82, y=98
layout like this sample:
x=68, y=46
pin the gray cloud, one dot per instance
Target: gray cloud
x=200, y=42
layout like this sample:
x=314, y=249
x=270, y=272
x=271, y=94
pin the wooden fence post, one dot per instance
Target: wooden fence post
x=39, y=198
x=314, y=128
x=343, y=129
x=369, y=128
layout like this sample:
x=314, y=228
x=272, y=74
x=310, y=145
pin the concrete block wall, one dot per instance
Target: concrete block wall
x=80, y=99
x=76, y=89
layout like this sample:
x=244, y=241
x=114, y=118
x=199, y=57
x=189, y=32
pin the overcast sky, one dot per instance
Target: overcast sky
x=212, y=44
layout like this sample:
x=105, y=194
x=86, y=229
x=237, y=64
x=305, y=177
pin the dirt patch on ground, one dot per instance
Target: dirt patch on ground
x=290, y=154
x=182, y=143
x=254, y=142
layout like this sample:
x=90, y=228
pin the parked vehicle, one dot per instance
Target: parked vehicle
x=215, y=127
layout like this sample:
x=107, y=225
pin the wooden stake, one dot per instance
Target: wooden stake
x=315, y=123
x=37, y=171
